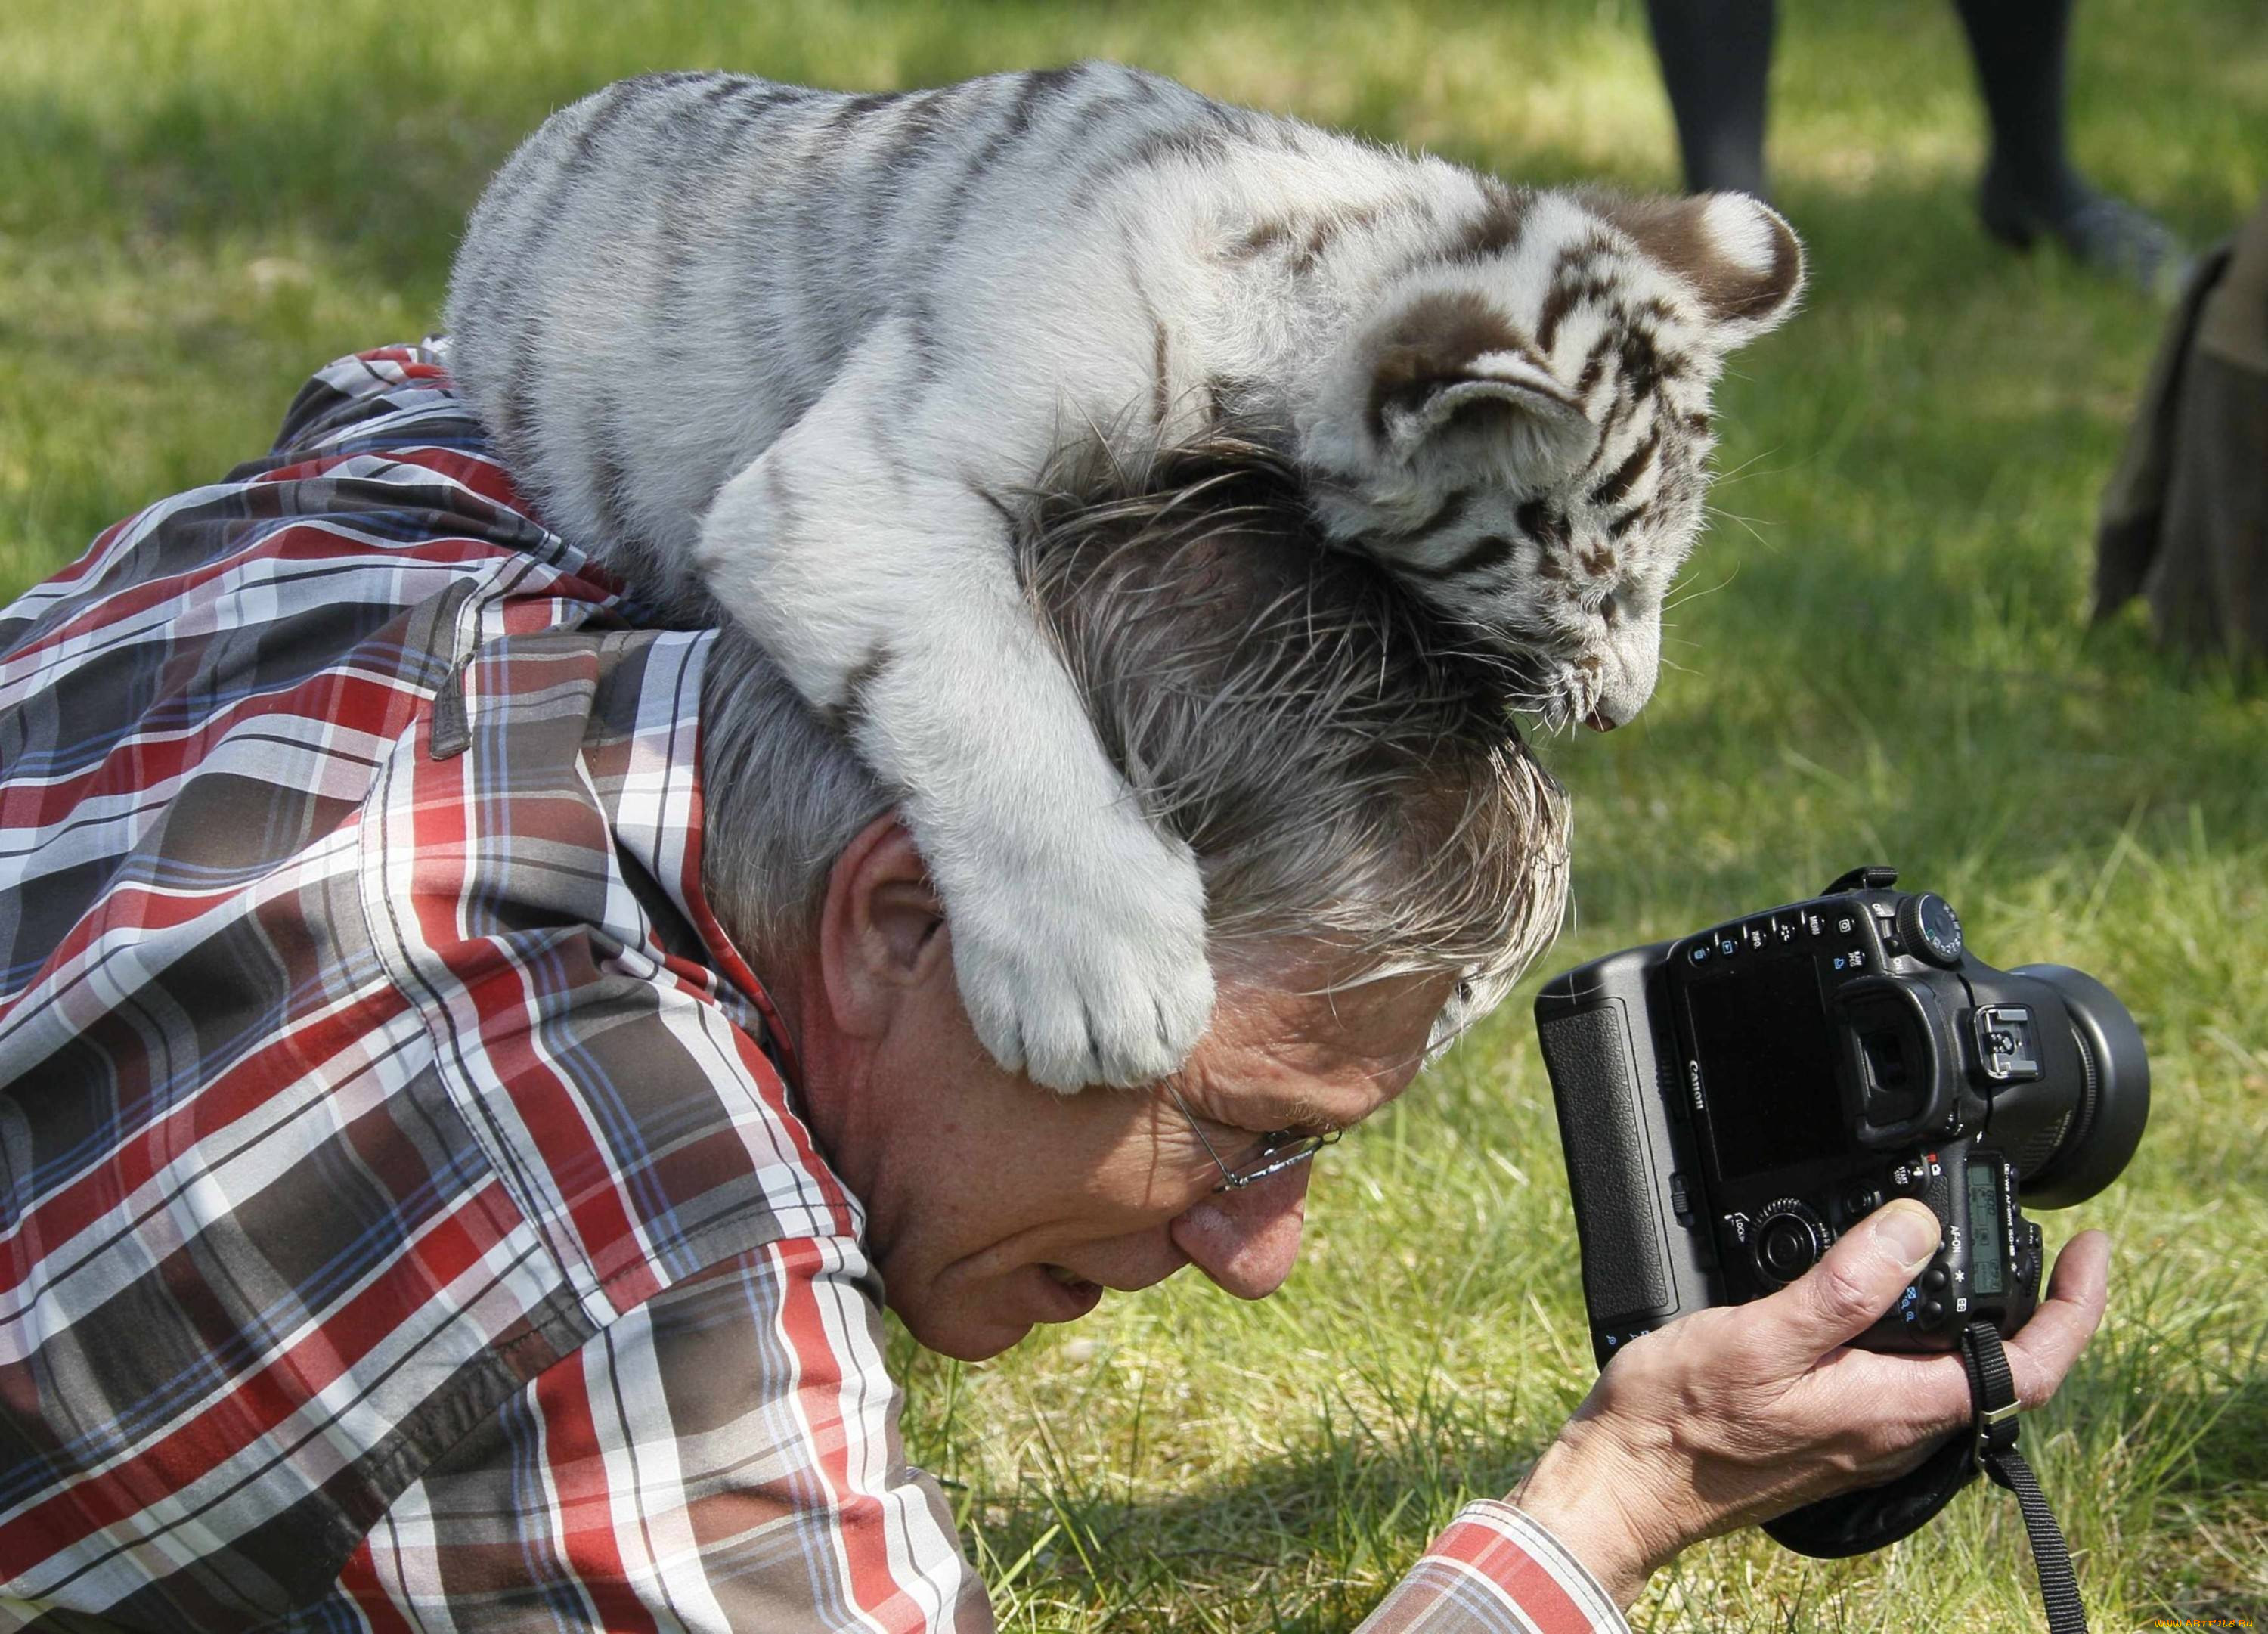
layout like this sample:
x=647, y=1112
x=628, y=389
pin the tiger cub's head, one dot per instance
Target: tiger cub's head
x=1520, y=426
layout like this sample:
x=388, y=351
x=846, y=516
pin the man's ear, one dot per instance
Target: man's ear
x=1738, y=254
x=1447, y=370
x=880, y=929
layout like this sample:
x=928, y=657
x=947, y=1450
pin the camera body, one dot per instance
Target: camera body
x=1733, y=1100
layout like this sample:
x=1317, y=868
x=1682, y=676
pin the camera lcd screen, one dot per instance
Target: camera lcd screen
x=1767, y=1066
x=1983, y=1230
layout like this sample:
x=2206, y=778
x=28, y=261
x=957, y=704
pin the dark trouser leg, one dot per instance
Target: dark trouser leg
x=2021, y=48
x=1715, y=58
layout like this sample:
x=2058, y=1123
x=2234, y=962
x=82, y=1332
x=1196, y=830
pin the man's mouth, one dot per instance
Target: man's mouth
x=1069, y=1277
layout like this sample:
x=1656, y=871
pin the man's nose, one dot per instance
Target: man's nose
x=1246, y=1241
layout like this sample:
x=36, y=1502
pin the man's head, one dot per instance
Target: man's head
x=1380, y=858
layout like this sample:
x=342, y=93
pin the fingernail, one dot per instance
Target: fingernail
x=1909, y=1231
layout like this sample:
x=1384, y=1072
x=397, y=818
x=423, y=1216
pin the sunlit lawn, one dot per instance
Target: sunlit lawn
x=1882, y=656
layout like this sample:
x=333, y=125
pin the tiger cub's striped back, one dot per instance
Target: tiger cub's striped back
x=787, y=352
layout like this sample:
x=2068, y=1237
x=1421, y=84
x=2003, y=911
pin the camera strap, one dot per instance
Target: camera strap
x=1992, y=1401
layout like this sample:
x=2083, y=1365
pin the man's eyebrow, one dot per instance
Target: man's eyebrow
x=1294, y=1111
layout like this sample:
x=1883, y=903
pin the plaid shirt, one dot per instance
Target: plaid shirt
x=405, y=1221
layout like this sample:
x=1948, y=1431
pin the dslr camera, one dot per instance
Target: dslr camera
x=1733, y=1100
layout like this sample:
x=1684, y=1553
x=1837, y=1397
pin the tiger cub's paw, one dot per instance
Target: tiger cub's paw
x=1098, y=979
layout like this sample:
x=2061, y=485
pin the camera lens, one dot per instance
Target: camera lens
x=2088, y=1146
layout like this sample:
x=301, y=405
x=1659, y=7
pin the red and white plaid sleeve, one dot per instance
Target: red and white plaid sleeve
x=727, y=1456
x=1495, y=1571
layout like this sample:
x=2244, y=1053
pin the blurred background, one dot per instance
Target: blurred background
x=1880, y=653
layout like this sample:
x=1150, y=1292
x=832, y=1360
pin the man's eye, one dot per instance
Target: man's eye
x=1310, y=1134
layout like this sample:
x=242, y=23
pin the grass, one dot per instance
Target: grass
x=1884, y=656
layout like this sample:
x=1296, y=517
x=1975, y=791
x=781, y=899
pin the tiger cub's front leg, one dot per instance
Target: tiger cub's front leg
x=887, y=591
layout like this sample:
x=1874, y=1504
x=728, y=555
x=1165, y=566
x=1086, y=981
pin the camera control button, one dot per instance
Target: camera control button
x=1933, y=1278
x=1930, y=928
x=1699, y=953
x=1789, y=1240
x=1860, y=1200
x=1786, y=1250
x=1848, y=963
x=1932, y=1312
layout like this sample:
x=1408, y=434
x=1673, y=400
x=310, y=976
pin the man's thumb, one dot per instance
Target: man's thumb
x=1839, y=1298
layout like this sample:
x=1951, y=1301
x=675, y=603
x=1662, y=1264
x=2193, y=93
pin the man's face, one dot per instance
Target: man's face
x=994, y=1204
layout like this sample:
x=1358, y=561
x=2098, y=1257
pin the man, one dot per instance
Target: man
x=420, y=1215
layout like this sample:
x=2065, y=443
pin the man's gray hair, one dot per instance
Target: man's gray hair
x=1340, y=760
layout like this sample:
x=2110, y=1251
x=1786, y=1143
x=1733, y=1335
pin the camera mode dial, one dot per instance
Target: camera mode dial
x=1930, y=929
x=1787, y=1241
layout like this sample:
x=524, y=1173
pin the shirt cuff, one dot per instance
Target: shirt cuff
x=1496, y=1542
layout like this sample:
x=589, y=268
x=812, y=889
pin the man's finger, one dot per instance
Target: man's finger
x=2045, y=1348
x=1839, y=1298
x=1926, y=1395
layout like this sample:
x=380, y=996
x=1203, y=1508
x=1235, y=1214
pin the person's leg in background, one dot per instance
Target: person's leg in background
x=2020, y=50
x=1715, y=56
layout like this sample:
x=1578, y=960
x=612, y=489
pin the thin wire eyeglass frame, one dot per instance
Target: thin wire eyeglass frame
x=1278, y=1152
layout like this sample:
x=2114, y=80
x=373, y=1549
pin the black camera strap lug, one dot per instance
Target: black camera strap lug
x=1992, y=1397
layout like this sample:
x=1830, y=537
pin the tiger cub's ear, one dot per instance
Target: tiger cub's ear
x=1448, y=371
x=1738, y=254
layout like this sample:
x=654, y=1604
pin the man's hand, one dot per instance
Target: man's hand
x=1733, y=1415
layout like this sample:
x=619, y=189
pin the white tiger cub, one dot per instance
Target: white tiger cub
x=791, y=351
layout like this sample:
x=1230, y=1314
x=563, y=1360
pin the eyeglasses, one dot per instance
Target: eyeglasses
x=1280, y=1150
